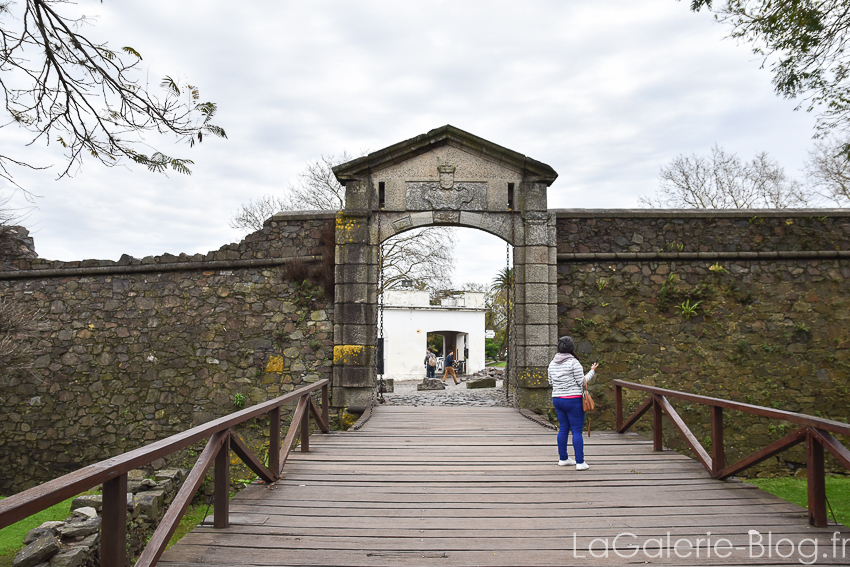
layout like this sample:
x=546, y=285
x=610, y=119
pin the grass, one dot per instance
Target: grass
x=794, y=490
x=190, y=520
x=12, y=537
x=500, y=364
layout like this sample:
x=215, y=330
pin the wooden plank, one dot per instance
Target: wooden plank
x=460, y=488
x=192, y=556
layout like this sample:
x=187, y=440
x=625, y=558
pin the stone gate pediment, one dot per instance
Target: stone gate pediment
x=446, y=169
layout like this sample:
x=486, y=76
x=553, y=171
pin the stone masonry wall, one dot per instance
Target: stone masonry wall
x=772, y=332
x=137, y=350
x=127, y=358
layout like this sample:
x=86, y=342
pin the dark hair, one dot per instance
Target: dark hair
x=567, y=346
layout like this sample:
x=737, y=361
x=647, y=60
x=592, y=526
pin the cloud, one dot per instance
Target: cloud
x=605, y=92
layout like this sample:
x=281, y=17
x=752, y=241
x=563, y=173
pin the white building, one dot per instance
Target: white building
x=409, y=317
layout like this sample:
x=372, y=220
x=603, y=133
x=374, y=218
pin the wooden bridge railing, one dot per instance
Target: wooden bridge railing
x=112, y=473
x=815, y=431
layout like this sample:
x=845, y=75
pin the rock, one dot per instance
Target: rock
x=86, y=511
x=132, y=508
x=158, y=464
x=165, y=485
x=481, y=383
x=136, y=474
x=174, y=475
x=92, y=501
x=89, y=542
x=134, y=486
x=71, y=558
x=80, y=529
x=36, y=552
x=51, y=525
x=148, y=484
x=150, y=503
x=431, y=384
x=37, y=533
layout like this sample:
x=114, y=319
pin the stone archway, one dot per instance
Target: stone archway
x=445, y=177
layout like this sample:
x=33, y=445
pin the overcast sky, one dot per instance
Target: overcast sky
x=604, y=91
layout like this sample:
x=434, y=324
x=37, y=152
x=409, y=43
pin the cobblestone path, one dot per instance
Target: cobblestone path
x=405, y=394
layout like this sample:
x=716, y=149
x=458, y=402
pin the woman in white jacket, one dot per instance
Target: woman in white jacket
x=566, y=377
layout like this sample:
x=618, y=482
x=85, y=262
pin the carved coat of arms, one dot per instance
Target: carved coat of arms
x=446, y=194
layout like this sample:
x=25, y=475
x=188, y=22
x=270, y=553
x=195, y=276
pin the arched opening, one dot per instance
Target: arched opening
x=453, y=312
x=444, y=178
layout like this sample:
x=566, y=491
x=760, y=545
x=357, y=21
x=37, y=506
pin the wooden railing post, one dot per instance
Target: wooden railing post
x=113, y=538
x=618, y=406
x=221, y=516
x=657, y=431
x=274, y=440
x=718, y=454
x=815, y=481
x=325, y=405
x=305, y=428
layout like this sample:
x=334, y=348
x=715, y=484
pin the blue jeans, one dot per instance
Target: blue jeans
x=570, y=418
x=430, y=371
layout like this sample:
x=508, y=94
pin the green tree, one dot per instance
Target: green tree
x=803, y=42
x=66, y=89
x=503, y=283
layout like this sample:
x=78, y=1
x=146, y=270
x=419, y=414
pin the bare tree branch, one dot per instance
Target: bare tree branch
x=828, y=169
x=723, y=181
x=63, y=88
x=424, y=256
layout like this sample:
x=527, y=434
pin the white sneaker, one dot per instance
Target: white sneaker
x=569, y=461
x=582, y=467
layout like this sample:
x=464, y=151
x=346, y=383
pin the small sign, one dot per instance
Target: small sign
x=489, y=334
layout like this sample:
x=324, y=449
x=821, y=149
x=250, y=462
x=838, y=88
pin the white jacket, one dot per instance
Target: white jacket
x=566, y=375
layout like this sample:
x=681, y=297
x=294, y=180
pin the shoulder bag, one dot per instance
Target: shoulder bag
x=586, y=403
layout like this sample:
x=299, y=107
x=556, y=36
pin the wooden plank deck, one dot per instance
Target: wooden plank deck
x=480, y=486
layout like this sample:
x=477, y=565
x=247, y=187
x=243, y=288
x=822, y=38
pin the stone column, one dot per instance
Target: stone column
x=355, y=302
x=536, y=299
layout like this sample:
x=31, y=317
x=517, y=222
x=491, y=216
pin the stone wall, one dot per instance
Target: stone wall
x=771, y=324
x=137, y=350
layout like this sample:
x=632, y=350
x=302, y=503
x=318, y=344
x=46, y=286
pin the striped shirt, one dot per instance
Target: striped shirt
x=566, y=377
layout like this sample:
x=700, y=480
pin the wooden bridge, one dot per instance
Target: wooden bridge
x=480, y=486
x=448, y=486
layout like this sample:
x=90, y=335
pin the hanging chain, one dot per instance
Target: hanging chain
x=380, y=384
x=507, y=341
x=510, y=378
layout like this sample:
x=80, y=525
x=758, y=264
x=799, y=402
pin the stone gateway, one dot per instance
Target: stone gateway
x=445, y=177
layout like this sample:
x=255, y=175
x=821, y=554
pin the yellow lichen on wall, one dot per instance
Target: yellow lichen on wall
x=346, y=226
x=275, y=364
x=533, y=378
x=351, y=355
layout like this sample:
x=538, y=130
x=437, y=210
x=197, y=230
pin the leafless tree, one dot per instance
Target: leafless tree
x=424, y=256
x=723, y=181
x=251, y=215
x=828, y=170
x=315, y=190
x=63, y=88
